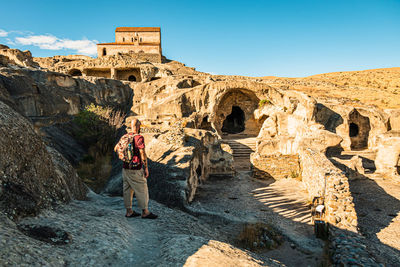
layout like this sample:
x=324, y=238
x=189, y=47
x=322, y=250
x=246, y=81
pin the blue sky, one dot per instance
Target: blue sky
x=253, y=38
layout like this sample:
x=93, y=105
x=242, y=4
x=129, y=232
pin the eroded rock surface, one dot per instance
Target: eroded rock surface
x=179, y=161
x=99, y=234
x=31, y=177
x=319, y=142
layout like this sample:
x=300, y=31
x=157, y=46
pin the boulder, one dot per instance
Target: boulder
x=179, y=160
x=32, y=176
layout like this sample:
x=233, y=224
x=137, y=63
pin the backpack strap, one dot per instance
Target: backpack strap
x=133, y=139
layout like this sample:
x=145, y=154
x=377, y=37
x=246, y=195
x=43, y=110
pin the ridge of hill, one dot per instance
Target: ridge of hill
x=377, y=87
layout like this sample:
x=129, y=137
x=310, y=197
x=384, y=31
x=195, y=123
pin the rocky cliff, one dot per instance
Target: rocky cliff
x=32, y=176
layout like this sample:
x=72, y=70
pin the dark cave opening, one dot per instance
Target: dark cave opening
x=234, y=122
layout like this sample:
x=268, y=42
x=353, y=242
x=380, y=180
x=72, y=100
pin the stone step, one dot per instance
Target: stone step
x=241, y=150
x=242, y=147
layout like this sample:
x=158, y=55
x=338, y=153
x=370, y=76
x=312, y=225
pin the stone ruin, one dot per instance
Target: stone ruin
x=194, y=120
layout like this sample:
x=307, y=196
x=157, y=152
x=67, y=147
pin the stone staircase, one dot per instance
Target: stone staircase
x=242, y=146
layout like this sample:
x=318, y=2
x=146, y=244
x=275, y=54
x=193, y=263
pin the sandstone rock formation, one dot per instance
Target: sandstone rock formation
x=325, y=141
x=51, y=101
x=180, y=159
x=388, y=157
x=31, y=176
x=48, y=97
x=128, y=67
x=16, y=57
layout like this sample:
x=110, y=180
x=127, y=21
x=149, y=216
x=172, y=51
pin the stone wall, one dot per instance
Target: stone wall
x=151, y=52
x=146, y=37
x=323, y=179
x=275, y=166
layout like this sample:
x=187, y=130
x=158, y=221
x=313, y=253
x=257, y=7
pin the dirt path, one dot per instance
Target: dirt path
x=207, y=235
x=102, y=236
x=278, y=203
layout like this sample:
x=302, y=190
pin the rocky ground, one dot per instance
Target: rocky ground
x=281, y=204
x=98, y=234
x=233, y=220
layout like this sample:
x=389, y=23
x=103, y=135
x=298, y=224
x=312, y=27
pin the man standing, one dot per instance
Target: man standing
x=135, y=178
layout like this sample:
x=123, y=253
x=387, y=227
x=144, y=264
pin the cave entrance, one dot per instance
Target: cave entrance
x=205, y=124
x=75, y=72
x=128, y=74
x=234, y=122
x=359, y=128
x=354, y=130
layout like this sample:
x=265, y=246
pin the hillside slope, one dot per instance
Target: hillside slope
x=379, y=87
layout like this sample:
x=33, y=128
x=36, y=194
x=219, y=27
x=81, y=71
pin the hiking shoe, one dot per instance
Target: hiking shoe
x=150, y=216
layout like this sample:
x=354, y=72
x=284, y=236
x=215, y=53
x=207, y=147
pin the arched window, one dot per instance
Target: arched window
x=123, y=39
x=132, y=78
x=104, y=52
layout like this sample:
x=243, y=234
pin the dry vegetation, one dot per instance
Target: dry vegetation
x=379, y=87
x=256, y=236
x=97, y=130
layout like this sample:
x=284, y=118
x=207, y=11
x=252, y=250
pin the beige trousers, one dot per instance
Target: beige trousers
x=134, y=182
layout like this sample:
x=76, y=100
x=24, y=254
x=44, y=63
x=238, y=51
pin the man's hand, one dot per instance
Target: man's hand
x=146, y=173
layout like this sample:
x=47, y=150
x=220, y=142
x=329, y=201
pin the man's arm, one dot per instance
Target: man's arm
x=117, y=145
x=143, y=156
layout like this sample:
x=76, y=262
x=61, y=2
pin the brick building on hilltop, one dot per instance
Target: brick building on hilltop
x=143, y=41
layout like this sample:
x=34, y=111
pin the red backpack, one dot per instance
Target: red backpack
x=126, y=150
